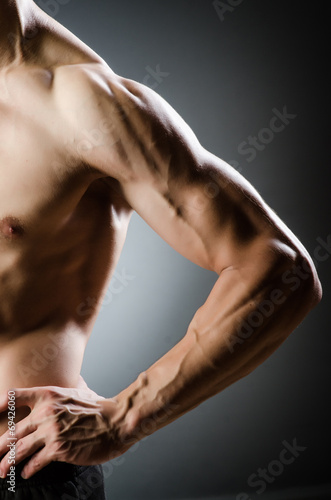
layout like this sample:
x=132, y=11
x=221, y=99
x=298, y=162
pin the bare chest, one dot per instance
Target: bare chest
x=37, y=186
x=57, y=215
x=46, y=194
x=62, y=226
x=27, y=146
x=41, y=183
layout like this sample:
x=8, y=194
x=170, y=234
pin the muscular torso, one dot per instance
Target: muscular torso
x=80, y=148
x=62, y=226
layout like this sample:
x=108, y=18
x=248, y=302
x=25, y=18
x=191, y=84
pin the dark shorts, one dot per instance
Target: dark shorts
x=57, y=481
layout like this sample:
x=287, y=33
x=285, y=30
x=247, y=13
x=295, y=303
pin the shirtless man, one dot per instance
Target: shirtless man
x=81, y=148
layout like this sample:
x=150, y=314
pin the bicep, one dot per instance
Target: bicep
x=196, y=202
x=204, y=211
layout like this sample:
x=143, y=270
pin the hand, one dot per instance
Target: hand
x=66, y=425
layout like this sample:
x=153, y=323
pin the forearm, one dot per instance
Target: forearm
x=248, y=314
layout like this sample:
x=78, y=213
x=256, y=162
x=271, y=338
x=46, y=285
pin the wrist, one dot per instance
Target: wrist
x=121, y=426
x=141, y=409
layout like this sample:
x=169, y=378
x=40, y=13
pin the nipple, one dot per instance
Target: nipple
x=11, y=228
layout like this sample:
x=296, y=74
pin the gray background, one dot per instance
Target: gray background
x=225, y=78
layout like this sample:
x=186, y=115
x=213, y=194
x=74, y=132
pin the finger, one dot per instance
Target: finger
x=6, y=438
x=25, y=397
x=5, y=399
x=16, y=431
x=15, y=398
x=13, y=402
x=19, y=450
x=37, y=462
x=22, y=428
x=4, y=441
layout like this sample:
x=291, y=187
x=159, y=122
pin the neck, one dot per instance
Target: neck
x=15, y=22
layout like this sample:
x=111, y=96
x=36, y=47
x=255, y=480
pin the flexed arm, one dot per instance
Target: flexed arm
x=210, y=214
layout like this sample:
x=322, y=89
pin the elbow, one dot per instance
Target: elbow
x=314, y=289
x=302, y=289
x=285, y=267
x=300, y=279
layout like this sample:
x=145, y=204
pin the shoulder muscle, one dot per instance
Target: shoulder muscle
x=194, y=200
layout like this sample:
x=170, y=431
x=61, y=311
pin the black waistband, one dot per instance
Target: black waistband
x=55, y=472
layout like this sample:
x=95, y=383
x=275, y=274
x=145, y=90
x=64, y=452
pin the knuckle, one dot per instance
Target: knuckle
x=31, y=426
x=51, y=409
x=50, y=393
x=20, y=445
x=35, y=463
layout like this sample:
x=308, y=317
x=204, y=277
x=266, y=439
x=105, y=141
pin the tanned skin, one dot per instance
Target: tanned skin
x=81, y=149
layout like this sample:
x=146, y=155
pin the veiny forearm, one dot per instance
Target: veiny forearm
x=248, y=314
